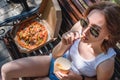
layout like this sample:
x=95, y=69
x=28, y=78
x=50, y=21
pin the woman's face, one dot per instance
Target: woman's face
x=95, y=30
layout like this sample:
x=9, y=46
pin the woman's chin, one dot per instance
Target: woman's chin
x=84, y=40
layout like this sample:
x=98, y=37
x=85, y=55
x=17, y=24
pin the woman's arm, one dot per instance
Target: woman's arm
x=106, y=69
x=59, y=49
x=66, y=41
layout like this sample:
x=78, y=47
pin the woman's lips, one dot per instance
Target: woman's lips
x=84, y=37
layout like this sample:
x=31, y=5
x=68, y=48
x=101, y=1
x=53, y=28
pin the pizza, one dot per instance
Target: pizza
x=31, y=35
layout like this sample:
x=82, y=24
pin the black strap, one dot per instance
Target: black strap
x=83, y=77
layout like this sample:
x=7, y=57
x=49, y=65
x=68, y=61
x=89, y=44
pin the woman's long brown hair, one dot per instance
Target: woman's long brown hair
x=112, y=15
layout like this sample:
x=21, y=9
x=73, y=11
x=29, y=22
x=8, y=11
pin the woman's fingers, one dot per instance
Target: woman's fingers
x=69, y=37
x=77, y=35
x=60, y=75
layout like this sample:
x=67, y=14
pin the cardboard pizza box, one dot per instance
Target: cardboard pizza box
x=49, y=14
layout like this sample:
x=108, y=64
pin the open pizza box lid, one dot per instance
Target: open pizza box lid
x=49, y=14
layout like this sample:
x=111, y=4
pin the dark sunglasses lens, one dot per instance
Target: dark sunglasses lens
x=94, y=32
x=83, y=23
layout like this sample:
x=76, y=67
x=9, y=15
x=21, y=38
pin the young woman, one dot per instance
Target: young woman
x=92, y=56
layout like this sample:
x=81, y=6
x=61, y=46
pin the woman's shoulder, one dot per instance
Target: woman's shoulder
x=106, y=69
x=107, y=62
x=105, y=57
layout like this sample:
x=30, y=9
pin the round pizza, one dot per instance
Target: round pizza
x=31, y=35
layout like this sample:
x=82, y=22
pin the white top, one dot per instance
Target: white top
x=86, y=67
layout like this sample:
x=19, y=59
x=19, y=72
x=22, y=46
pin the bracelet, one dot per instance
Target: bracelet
x=83, y=77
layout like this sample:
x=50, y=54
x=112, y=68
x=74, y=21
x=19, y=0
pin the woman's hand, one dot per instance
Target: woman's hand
x=69, y=37
x=70, y=76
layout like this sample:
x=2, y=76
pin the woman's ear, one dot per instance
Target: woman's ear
x=107, y=37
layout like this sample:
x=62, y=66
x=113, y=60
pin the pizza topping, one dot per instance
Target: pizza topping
x=32, y=34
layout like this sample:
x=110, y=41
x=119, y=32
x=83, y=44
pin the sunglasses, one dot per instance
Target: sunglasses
x=94, y=29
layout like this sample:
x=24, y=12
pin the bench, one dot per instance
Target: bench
x=72, y=11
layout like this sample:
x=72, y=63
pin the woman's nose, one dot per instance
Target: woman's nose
x=86, y=30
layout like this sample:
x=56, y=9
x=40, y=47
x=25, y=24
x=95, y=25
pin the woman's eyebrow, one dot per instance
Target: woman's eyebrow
x=87, y=19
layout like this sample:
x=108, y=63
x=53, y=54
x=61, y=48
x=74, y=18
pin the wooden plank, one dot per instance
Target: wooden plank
x=75, y=11
x=79, y=6
x=68, y=11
